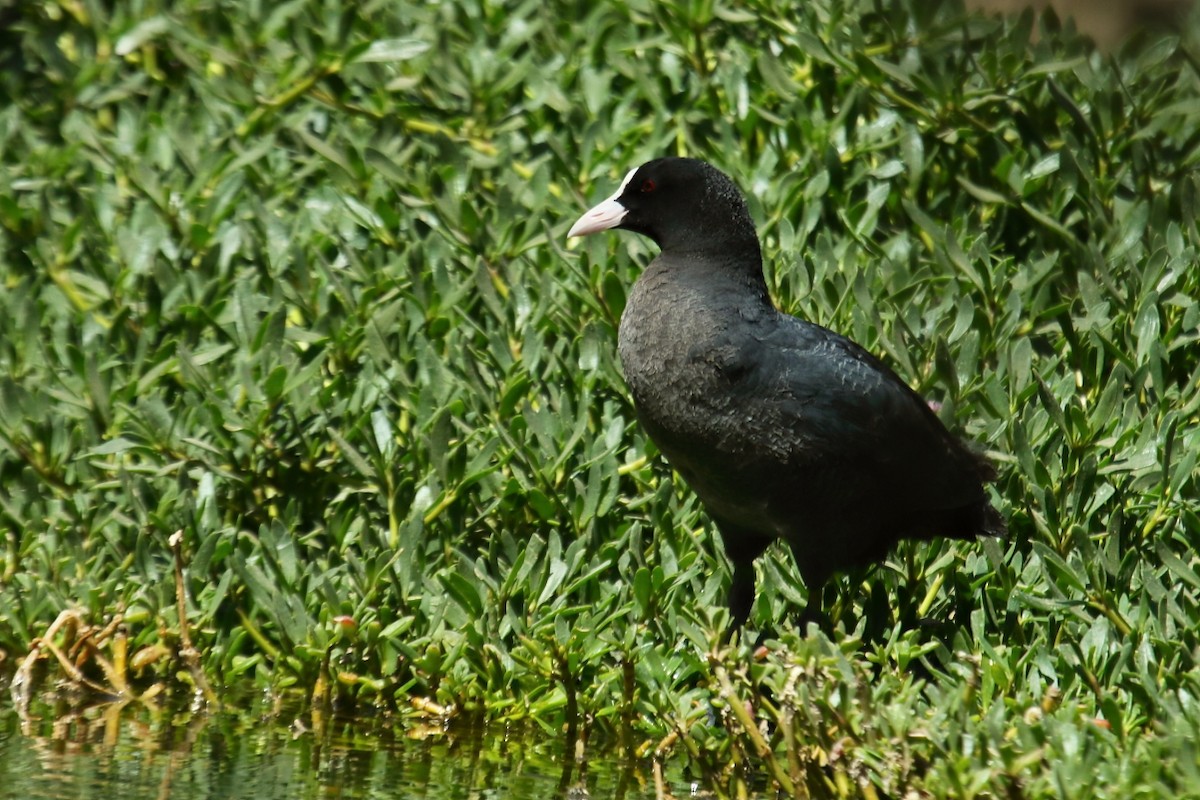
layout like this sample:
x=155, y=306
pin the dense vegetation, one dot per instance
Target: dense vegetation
x=290, y=279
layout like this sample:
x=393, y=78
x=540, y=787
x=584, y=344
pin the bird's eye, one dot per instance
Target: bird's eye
x=649, y=185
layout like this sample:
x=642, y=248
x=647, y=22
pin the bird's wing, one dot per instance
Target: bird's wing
x=839, y=406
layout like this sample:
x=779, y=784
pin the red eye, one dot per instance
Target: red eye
x=648, y=185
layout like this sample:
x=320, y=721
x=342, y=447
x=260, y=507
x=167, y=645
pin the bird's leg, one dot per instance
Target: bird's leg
x=814, y=612
x=741, y=593
x=742, y=546
x=808, y=614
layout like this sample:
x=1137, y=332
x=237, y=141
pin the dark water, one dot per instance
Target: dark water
x=133, y=753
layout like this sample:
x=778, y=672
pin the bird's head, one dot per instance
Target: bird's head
x=680, y=203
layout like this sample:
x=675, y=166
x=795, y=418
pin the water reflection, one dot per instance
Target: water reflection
x=135, y=753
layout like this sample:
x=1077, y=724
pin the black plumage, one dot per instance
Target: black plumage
x=785, y=429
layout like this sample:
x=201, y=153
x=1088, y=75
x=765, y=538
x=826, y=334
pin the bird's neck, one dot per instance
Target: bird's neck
x=728, y=266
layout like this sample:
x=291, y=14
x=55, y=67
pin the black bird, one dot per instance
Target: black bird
x=785, y=429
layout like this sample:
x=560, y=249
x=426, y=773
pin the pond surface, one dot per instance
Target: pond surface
x=130, y=754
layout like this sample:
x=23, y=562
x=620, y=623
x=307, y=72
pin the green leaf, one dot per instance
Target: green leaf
x=141, y=34
x=464, y=593
x=642, y=591
x=981, y=193
x=387, y=50
x=554, y=578
x=118, y=445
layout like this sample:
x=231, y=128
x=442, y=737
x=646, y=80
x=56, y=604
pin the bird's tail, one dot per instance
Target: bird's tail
x=979, y=518
x=992, y=523
x=974, y=520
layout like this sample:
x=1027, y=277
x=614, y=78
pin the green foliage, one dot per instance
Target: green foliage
x=290, y=278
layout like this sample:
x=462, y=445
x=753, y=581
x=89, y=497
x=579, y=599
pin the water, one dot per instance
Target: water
x=133, y=753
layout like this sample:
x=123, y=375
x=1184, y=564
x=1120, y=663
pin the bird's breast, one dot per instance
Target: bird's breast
x=689, y=359
x=672, y=346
